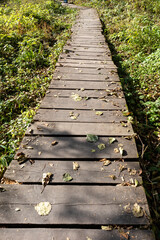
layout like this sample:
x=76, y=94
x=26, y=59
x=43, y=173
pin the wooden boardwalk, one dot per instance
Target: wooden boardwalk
x=84, y=97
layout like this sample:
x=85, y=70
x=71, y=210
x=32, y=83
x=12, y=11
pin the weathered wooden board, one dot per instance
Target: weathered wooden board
x=87, y=53
x=84, y=44
x=85, y=93
x=84, y=84
x=83, y=56
x=86, y=77
x=87, y=65
x=82, y=62
x=96, y=50
x=79, y=129
x=98, y=71
x=76, y=147
x=88, y=172
x=69, y=103
x=99, y=205
x=82, y=116
x=73, y=234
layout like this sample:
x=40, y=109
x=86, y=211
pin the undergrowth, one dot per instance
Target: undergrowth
x=132, y=30
x=32, y=34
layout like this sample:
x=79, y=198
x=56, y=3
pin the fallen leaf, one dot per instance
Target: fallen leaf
x=116, y=150
x=101, y=146
x=137, y=211
x=124, y=234
x=21, y=157
x=126, y=113
x=124, y=124
x=17, y=209
x=82, y=89
x=127, y=208
x=107, y=228
x=93, y=150
x=113, y=177
x=91, y=138
x=27, y=147
x=67, y=177
x=133, y=172
x=54, y=143
x=43, y=208
x=75, y=166
x=88, y=238
x=103, y=159
x=5, y=180
x=46, y=179
x=76, y=97
x=130, y=119
x=111, y=140
x=128, y=137
x=136, y=183
x=99, y=113
x=31, y=161
x=31, y=131
x=86, y=98
x=74, y=116
x=106, y=162
x=121, y=167
x=39, y=128
x=39, y=153
x=121, y=150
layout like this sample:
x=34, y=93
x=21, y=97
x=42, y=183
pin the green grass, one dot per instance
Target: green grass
x=32, y=34
x=132, y=30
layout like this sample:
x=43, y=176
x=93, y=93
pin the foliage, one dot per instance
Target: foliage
x=32, y=34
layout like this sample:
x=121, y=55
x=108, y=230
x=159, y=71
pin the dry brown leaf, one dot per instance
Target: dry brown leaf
x=124, y=235
x=54, y=143
x=113, y=177
x=5, y=180
x=107, y=228
x=103, y=159
x=137, y=210
x=116, y=150
x=75, y=166
x=106, y=162
x=127, y=208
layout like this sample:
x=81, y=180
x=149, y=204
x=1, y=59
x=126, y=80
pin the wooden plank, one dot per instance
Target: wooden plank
x=73, y=234
x=84, y=93
x=84, y=44
x=97, y=50
x=87, y=65
x=88, y=172
x=99, y=204
x=83, y=62
x=75, y=147
x=83, y=56
x=82, y=53
x=79, y=129
x=84, y=84
x=86, y=77
x=98, y=71
x=68, y=103
x=57, y=115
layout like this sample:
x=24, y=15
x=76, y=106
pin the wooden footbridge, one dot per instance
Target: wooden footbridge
x=80, y=120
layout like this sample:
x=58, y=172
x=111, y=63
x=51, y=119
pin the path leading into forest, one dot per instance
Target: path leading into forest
x=85, y=97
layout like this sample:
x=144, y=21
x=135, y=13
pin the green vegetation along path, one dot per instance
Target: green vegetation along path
x=81, y=136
